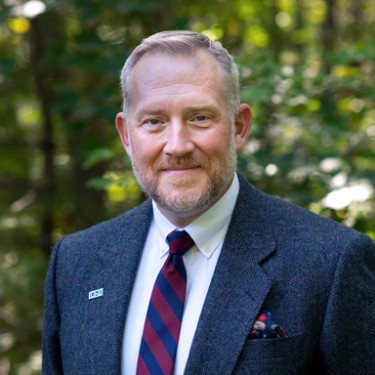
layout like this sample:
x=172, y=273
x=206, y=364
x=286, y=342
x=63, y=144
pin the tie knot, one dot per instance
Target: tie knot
x=179, y=242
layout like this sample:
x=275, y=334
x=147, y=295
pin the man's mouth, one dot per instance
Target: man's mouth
x=180, y=169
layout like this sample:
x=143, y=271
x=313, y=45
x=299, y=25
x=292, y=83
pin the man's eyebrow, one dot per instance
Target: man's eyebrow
x=149, y=111
x=202, y=107
x=156, y=110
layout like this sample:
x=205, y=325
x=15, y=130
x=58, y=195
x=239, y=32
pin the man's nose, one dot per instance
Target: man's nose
x=178, y=142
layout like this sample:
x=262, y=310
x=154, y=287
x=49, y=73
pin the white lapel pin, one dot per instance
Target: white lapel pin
x=96, y=293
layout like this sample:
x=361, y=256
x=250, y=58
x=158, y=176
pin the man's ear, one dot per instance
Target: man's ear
x=242, y=125
x=122, y=129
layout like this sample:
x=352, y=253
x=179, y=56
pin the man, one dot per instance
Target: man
x=267, y=287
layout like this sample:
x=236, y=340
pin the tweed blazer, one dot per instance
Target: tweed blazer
x=314, y=275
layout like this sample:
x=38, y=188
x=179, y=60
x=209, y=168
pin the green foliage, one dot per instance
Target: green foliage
x=309, y=78
x=313, y=140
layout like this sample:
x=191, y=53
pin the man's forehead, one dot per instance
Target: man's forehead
x=181, y=52
x=186, y=68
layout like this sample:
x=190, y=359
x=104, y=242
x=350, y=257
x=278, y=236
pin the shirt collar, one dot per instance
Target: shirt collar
x=209, y=229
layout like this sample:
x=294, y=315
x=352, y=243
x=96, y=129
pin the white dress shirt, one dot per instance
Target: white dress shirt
x=208, y=232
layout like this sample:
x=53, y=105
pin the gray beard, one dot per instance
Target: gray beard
x=195, y=205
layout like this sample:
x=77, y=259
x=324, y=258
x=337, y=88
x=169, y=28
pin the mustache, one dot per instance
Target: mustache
x=173, y=162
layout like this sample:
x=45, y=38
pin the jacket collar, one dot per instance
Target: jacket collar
x=238, y=288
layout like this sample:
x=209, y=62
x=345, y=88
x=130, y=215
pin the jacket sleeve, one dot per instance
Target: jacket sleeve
x=348, y=337
x=52, y=364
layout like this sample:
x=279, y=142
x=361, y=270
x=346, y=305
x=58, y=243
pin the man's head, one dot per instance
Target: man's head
x=184, y=122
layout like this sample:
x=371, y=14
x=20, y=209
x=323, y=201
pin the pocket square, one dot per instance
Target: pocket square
x=266, y=327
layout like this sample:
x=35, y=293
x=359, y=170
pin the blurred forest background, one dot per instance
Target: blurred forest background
x=307, y=69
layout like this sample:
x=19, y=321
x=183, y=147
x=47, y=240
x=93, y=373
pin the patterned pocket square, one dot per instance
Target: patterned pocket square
x=266, y=327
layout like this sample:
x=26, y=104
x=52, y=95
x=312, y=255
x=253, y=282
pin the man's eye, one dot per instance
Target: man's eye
x=153, y=122
x=201, y=118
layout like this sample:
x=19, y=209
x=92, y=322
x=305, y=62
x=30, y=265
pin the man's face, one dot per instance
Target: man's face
x=180, y=134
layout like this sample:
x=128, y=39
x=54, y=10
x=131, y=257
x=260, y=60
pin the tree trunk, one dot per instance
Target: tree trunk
x=39, y=34
x=328, y=34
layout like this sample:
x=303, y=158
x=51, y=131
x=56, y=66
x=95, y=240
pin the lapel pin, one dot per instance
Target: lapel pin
x=96, y=293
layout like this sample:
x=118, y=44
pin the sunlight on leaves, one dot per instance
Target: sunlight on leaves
x=19, y=25
x=343, y=71
x=316, y=12
x=283, y=20
x=28, y=114
x=213, y=33
x=30, y=9
x=359, y=191
x=257, y=36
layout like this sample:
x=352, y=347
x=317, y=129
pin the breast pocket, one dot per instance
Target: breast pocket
x=285, y=355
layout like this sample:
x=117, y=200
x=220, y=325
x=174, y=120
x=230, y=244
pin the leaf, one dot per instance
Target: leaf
x=97, y=156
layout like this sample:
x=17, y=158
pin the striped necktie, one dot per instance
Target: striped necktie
x=163, y=320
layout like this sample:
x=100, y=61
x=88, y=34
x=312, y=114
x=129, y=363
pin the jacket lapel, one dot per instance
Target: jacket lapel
x=114, y=270
x=238, y=288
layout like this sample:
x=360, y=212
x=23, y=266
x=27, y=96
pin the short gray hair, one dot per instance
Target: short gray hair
x=183, y=42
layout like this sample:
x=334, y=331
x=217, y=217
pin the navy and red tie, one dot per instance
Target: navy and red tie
x=163, y=320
